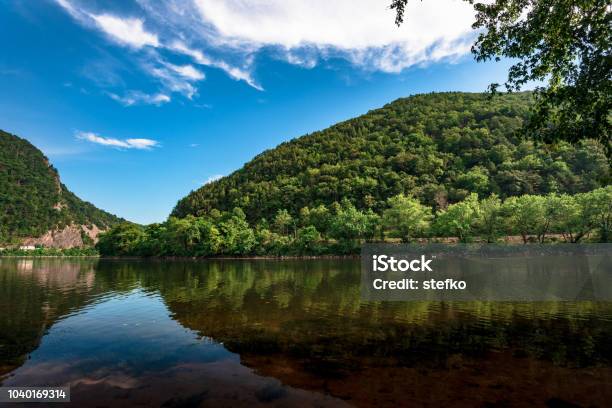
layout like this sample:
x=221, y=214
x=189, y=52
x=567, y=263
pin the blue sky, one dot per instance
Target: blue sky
x=137, y=103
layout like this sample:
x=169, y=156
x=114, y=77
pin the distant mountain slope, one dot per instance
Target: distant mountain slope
x=34, y=202
x=437, y=147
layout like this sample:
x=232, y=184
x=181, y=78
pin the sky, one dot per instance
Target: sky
x=139, y=102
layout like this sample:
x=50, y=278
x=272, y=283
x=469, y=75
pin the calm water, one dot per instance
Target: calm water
x=285, y=333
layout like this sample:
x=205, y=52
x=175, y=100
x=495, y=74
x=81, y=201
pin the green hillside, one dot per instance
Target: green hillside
x=435, y=147
x=32, y=198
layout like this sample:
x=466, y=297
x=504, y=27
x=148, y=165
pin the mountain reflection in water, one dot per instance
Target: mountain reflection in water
x=288, y=333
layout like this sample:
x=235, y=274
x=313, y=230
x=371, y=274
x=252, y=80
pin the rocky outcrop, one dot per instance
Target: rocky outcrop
x=69, y=237
x=34, y=200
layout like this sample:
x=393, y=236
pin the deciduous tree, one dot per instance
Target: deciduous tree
x=406, y=218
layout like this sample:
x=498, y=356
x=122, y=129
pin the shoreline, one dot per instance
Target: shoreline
x=50, y=256
x=235, y=258
x=194, y=258
x=529, y=246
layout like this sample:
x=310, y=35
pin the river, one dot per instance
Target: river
x=285, y=333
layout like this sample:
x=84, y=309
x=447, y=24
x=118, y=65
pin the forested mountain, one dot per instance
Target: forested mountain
x=438, y=148
x=33, y=200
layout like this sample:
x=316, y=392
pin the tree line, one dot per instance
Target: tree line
x=341, y=228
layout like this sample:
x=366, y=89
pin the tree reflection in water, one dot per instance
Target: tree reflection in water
x=303, y=323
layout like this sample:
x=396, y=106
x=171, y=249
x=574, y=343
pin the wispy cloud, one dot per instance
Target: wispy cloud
x=128, y=31
x=213, y=178
x=137, y=34
x=136, y=143
x=186, y=71
x=171, y=80
x=234, y=72
x=140, y=98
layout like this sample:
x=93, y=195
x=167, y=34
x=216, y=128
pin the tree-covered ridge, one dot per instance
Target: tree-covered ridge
x=437, y=148
x=32, y=198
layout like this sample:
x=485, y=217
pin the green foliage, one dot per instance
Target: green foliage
x=32, y=198
x=307, y=241
x=460, y=219
x=436, y=148
x=238, y=237
x=271, y=243
x=406, y=218
x=348, y=225
x=211, y=240
x=490, y=218
x=319, y=217
x=283, y=222
x=123, y=239
x=565, y=44
x=181, y=235
x=155, y=242
x=475, y=180
x=524, y=215
x=597, y=211
x=345, y=227
x=570, y=220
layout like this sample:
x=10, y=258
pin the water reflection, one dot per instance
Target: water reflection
x=158, y=333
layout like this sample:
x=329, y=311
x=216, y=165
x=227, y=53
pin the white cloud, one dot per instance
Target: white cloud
x=66, y=5
x=199, y=57
x=304, y=59
x=229, y=34
x=238, y=74
x=136, y=143
x=213, y=178
x=346, y=24
x=141, y=143
x=187, y=71
x=140, y=98
x=129, y=31
x=361, y=31
x=172, y=80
